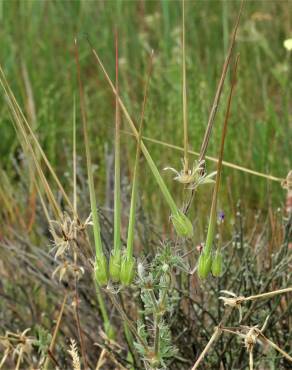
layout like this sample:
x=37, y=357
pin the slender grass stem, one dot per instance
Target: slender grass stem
x=184, y=88
x=117, y=186
x=217, y=97
x=130, y=239
x=22, y=117
x=74, y=159
x=54, y=337
x=146, y=153
x=212, y=222
x=129, y=323
x=210, y=158
x=109, y=330
x=96, y=226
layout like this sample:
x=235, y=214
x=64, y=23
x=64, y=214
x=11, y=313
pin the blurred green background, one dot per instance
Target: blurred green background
x=37, y=54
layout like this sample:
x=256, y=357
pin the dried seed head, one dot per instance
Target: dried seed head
x=217, y=264
x=204, y=266
x=182, y=224
x=233, y=301
x=100, y=270
x=115, y=266
x=127, y=270
x=251, y=339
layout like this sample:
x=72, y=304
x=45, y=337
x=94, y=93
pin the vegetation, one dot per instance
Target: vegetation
x=105, y=261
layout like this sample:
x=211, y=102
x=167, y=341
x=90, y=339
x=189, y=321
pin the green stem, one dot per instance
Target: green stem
x=105, y=318
x=96, y=225
x=117, y=195
x=147, y=155
x=185, y=121
x=212, y=222
x=130, y=239
x=157, y=336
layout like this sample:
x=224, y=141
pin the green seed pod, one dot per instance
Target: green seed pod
x=217, y=264
x=204, y=266
x=109, y=330
x=100, y=270
x=182, y=224
x=115, y=266
x=127, y=270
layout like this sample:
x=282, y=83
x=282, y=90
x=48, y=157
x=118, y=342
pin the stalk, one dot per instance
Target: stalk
x=108, y=328
x=176, y=213
x=115, y=258
x=185, y=121
x=74, y=159
x=206, y=253
x=117, y=216
x=213, y=213
x=101, y=273
x=128, y=261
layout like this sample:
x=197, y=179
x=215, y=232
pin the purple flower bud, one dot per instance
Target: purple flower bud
x=221, y=217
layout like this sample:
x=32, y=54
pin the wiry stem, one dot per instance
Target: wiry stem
x=212, y=222
x=125, y=318
x=147, y=155
x=54, y=337
x=130, y=239
x=117, y=194
x=219, y=89
x=25, y=126
x=275, y=346
x=267, y=295
x=215, y=336
x=213, y=339
x=251, y=360
x=216, y=101
x=210, y=158
x=96, y=226
x=184, y=88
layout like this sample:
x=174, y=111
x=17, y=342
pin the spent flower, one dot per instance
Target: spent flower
x=193, y=177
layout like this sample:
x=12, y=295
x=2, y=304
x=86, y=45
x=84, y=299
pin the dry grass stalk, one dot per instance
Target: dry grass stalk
x=54, y=337
x=253, y=334
x=210, y=158
x=235, y=302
